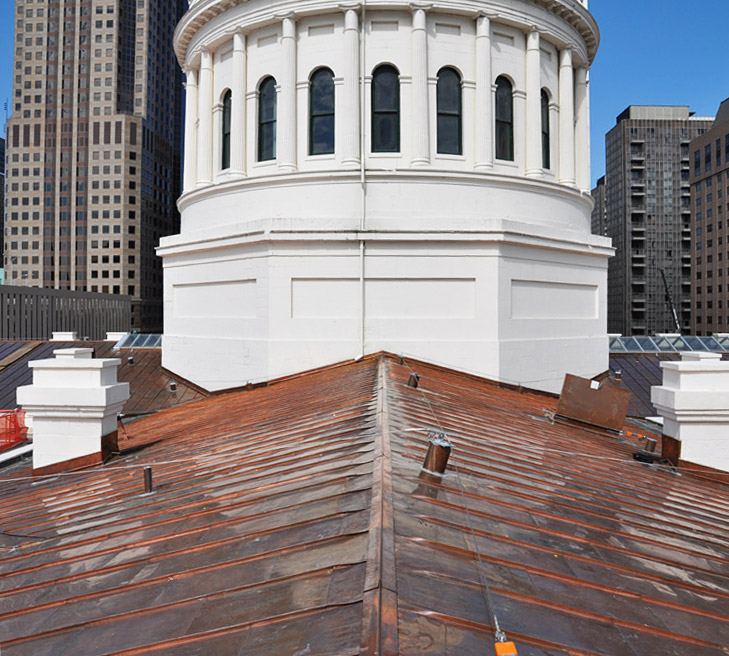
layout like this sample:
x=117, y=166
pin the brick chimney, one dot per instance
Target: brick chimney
x=74, y=401
x=694, y=404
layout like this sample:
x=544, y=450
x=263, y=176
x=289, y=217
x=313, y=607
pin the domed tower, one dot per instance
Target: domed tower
x=386, y=175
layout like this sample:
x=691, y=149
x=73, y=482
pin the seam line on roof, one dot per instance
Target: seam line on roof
x=380, y=615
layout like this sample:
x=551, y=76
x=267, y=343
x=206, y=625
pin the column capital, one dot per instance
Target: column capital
x=420, y=6
x=285, y=15
x=239, y=39
x=349, y=6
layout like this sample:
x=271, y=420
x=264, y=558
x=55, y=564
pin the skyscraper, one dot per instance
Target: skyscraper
x=648, y=202
x=710, y=211
x=93, y=145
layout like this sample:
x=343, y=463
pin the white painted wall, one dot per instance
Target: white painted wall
x=483, y=269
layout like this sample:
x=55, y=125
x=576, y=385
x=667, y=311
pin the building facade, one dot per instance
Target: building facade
x=389, y=176
x=2, y=205
x=648, y=198
x=599, y=211
x=709, y=214
x=94, y=146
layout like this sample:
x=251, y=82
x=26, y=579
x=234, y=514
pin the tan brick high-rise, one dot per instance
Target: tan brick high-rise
x=94, y=147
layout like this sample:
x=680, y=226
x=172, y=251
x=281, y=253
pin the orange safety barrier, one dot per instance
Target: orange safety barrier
x=13, y=430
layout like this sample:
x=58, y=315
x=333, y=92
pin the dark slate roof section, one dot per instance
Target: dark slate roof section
x=149, y=384
x=639, y=372
x=293, y=519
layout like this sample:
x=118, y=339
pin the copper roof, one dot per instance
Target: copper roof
x=149, y=383
x=293, y=520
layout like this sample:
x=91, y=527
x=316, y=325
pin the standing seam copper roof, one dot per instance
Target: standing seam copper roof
x=293, y=520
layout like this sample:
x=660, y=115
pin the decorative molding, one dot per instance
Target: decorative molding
x=573, y=15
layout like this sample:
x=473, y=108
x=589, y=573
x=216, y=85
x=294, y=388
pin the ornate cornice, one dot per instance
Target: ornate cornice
x=573, y=12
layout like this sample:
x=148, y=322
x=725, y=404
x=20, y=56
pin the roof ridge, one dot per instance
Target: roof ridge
x=379, y=615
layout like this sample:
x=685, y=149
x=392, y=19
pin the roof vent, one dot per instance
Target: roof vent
x=436, y=458
x=414, y=380
x=173, y=386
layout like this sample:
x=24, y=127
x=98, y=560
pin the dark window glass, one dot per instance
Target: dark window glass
x=321, y=112
x=385, y=110
x=546, y=160
x=267, y=120
x=225, y=145
x=448, y=92
x=697, y=162
x=504, y=119
x=707, y=157
x=718, y=152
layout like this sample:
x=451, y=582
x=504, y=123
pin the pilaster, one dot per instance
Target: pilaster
x=238, y=117
x=190, y=165
x=484, y=106
x=533, y=107
x=420, y=106
x=286, y=127
x=205, y=117
x=566, y=119
x=351, y=90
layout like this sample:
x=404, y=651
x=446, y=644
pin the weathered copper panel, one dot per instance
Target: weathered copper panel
x=296, y=519
x=593, y=403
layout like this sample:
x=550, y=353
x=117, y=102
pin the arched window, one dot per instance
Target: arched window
x=448, y=96
x=225, y=137
x=504, y=119
x=385, y=110
x=321, y=112
x=267, y=120
x=546, y=160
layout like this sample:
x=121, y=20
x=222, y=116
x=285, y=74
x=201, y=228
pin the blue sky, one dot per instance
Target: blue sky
x=653, y=52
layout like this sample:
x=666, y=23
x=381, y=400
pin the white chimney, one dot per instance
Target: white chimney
x=64, y=336
x=694, y=404
x=114, y=336
x=74, y=400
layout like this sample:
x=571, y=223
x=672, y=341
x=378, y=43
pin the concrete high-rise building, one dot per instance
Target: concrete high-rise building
x=93, y=147
x=599, y=211
x=709, y=214
x=2, y=204
x=648, y=200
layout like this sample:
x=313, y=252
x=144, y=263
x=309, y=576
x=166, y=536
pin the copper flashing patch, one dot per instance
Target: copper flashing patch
x=594, y=403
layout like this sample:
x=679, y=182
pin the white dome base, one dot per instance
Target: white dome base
x=505, y=304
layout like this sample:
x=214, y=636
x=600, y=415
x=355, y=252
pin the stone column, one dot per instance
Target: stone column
x=238, y=117
x=420, y=111
x=218, y=137
x=566, y=119
x=582, y=130
x=350, y=115
x=190, y=166
x=286, y=128
x=533, y=106
x=520, y=129
x=205, y=125
x=484, y=107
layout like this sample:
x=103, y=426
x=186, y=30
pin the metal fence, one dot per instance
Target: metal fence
x=34, y=313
